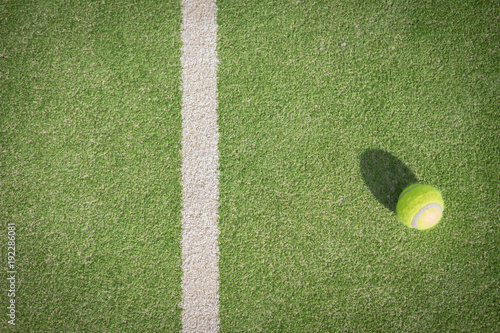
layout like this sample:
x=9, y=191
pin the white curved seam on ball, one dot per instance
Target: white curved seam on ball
x=408, y=191
x=414, y=222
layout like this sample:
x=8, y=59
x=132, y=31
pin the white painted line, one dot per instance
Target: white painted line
x=200, y=161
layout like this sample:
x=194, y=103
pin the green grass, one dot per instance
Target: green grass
x=326, y=110
x=90, y=153
x=306, y=245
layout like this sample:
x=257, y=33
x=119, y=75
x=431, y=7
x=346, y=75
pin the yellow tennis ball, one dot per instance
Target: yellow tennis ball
x=420, y=206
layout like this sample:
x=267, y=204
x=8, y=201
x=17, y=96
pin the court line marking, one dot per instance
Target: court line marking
x=200, y=175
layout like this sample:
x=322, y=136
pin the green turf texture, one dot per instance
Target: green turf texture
x=318, y=103
x=90, y=164
x=305, y=245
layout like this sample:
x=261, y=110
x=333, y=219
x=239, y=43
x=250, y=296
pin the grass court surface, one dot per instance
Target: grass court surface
x=327, y=109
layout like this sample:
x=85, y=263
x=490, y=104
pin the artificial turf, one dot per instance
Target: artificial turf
x=326, y=110
x=90, y=153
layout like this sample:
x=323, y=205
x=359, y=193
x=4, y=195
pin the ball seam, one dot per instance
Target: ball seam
x=414, y=222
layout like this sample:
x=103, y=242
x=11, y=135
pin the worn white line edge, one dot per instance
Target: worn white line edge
x=200, y=161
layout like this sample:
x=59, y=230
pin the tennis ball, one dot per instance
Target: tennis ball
x=420, y=206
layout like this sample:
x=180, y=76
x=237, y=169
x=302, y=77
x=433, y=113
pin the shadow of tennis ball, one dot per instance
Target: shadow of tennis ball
x=385, y=175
